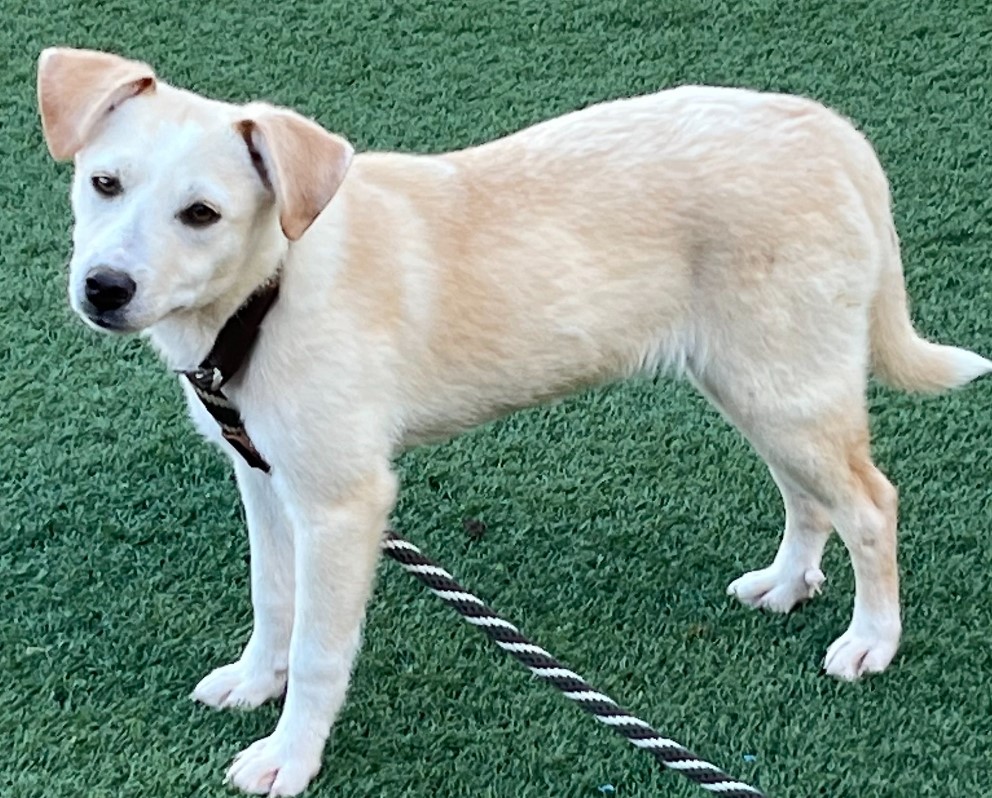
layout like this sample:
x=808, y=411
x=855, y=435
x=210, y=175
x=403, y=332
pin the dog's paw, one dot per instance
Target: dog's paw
x=776, y=589
x=239, y=685
x=854, y=654
x=274, y=766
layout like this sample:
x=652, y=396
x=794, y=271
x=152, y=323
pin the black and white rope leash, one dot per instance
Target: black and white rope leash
x=672, y=755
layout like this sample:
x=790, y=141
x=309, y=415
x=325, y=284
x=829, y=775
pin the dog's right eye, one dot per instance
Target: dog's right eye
x=106, y=186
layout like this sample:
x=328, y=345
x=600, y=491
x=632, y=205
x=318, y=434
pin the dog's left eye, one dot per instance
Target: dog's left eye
x=198, y=215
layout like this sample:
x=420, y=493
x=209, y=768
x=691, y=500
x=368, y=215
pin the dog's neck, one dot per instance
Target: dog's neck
x=184, y=338
x=235, y=339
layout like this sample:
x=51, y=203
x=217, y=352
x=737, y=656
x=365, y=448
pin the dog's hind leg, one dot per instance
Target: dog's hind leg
x=794, y=575
x=813, y=433
x=830, y=459
x=261, y=671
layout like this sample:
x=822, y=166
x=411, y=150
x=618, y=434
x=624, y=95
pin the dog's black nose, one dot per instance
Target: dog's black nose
x=109, y=289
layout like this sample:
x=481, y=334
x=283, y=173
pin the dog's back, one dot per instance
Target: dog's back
x=633, y=235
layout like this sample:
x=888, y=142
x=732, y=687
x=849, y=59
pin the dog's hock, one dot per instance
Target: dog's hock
x=78, y=88
x=300, y=161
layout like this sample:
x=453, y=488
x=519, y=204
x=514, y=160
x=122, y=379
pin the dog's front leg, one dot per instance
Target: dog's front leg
x=260, y=673
x=337, y=541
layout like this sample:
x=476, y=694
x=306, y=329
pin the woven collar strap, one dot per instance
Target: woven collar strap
x=228, y=355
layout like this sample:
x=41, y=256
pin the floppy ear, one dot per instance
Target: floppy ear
x=302, y=163
x=77, y=88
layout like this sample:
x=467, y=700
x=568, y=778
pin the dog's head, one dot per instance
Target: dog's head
x=178, y=200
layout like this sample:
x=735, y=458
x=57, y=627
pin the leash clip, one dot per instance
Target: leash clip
x=206, y=379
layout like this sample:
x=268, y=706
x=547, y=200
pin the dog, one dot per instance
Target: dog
x=741, y=239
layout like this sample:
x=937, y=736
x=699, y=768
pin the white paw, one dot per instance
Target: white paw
x=239, y=685
x=854, y=654
x=776, y=589
x=275, y=766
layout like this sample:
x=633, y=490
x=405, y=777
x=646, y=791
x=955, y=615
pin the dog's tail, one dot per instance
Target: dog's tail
x=899, y=356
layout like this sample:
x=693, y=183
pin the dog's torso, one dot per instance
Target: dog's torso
x=448, y=290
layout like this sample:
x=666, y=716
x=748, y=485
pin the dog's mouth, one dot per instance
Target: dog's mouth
x=112, y=322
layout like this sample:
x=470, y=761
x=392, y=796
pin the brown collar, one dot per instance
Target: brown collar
x=228, y=355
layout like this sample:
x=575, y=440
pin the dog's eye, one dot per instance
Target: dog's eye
x=198, y=215
x=106, y=185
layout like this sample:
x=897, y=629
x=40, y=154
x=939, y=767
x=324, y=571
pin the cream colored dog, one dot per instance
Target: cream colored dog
x=744, y=240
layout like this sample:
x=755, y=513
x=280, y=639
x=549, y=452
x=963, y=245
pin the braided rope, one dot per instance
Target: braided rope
x=603, y=708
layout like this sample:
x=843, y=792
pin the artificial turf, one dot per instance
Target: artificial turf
x=613, y=521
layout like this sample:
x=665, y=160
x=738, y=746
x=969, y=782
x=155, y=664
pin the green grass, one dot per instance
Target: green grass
x=614, y=520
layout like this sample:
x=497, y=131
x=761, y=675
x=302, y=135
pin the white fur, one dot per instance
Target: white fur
x=740, y=238
x=967, y=366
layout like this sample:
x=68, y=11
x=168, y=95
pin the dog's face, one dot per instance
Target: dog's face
x=177, y=199
x=168, y=208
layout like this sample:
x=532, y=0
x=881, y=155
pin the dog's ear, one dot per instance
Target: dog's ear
x=302, y=163
x=77, y=88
